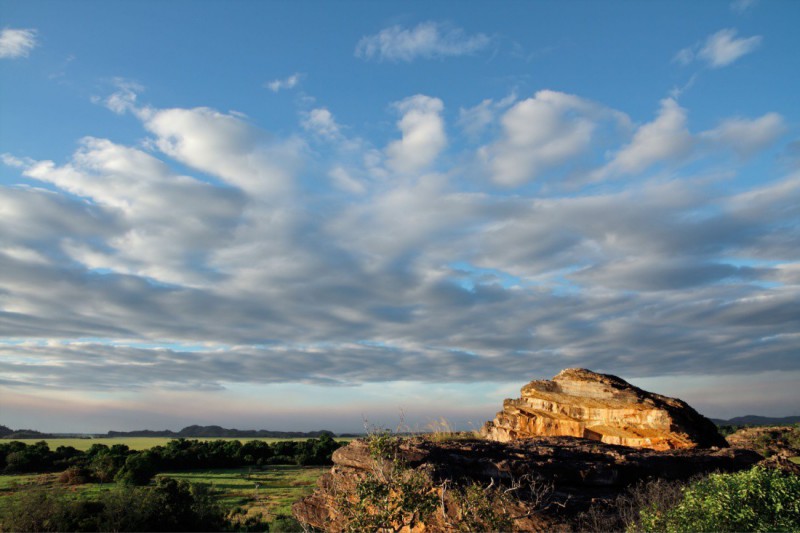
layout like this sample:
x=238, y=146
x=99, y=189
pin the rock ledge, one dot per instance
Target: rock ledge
x=581, y=403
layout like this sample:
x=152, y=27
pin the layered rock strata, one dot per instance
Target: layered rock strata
x=601, y=407
x=578, y=472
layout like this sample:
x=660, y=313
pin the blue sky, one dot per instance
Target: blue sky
x=297, y=215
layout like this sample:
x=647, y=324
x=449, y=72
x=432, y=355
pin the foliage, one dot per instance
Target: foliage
x=138, y=469
x=285, y=524
x=442, y=430
x=623, y=514
x=144, y=443
x=755, y=500
x=392, y=502
x=119, y=462
x=168, y=506
x=391, y=496
x=483, y=509
x=75, y=475
x=255, y=496
x=728, y=429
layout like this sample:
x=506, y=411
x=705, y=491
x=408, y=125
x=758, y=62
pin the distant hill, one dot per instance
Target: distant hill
x=194, y=432
x=189, y=432
x=755, y=420
x=8, y=433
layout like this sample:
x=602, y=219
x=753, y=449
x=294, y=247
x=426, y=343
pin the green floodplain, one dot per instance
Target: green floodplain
x=145, y=443
x=268, y=491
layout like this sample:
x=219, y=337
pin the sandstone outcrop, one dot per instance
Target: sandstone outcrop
x=576, y=473
x=777, y=443
x=601, y=407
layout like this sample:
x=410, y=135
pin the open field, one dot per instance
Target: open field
x=269, y=491
x=142, y=443
x=14, y=484
x=795, y=460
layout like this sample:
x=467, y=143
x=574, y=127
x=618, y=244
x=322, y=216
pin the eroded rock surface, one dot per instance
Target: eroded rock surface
x=777, y=443
x=582, y=403
x=578, y=472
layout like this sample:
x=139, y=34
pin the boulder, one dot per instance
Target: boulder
x=601, y=407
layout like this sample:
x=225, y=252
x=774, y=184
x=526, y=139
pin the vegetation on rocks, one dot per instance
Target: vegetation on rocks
x=755, y=500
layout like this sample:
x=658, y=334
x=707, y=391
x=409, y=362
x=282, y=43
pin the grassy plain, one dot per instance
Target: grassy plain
x=142, y=443
x=270, y=491
x=11, y=484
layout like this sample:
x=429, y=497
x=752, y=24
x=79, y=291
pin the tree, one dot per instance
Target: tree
x=139, y=469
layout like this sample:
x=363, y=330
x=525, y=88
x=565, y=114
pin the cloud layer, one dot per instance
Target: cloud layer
x=551, y=240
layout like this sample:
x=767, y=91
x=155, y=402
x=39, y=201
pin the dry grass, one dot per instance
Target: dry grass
x=441, y=430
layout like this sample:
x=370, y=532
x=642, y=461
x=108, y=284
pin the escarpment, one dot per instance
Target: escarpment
x=601, y=407
x=551, y=480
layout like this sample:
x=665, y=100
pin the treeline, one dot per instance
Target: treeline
x=170, y=505
x=8, y=433
x=195, y=432
x=102, y=463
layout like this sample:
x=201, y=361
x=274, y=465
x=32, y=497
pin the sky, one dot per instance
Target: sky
x=305, y=215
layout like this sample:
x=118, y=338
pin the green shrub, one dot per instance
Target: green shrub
x=75, y=475
x=754, y=500
x=169, y=506
x=285, y=524
x=623, y=513
x=482, y=509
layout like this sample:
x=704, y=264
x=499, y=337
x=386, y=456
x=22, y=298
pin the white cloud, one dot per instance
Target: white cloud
x=285, y=83
x=475, y=120
x=124, y=98
x=746, y=137
x=435, y=278
x=11, y=161
x=719, y=50
x=16, y=43
x=320, y=121
x=742, y=6
x=426, y=40
x=723, y=48
x=543, y=132
x=226, y=146
x=346, y=182
x=684, y=56
x=665, y=139
x=170, y=219
x=423, y=132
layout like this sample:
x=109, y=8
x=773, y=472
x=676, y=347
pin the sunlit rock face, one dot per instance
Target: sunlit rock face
x=582, y=403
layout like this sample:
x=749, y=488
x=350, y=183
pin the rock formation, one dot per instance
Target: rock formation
x=582, y=403
x=576, y=472
x=777, y=443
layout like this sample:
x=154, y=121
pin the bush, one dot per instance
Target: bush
x=754, y=500
x=139, y=469
x=169, y=506
x=285, y=524
x=75, y=475
x=41, y=510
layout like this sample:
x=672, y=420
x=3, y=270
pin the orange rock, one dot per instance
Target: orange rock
x=582, y=403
